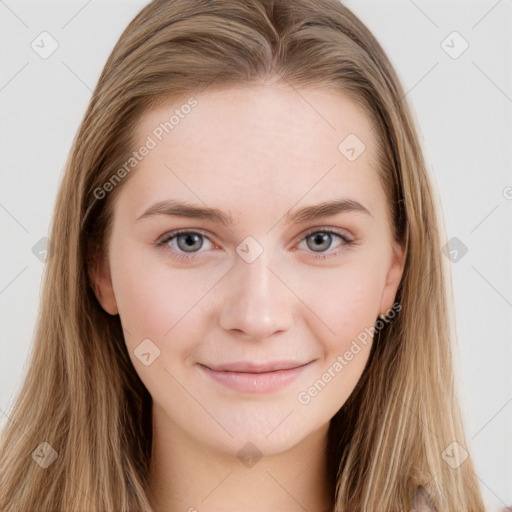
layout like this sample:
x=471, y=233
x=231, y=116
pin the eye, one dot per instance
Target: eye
x=186, y=241
x=321, y=239
x=186, y=244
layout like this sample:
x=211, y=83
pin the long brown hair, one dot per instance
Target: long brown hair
x=83, y=402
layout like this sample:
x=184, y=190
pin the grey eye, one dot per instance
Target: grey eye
x=189, y=242
x=320, y=241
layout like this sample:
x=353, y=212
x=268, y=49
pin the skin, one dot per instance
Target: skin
x=257, y=152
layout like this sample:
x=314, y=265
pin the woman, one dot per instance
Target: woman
x=253, y=372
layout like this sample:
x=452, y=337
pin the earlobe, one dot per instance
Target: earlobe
x=102, y=285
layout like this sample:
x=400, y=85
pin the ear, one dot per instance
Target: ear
x=101, y=283
x=393, y=277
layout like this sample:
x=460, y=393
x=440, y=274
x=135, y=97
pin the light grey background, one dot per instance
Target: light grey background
x=464, y=109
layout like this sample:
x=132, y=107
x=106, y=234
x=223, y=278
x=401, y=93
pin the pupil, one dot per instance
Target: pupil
x=320, y=239
x=189, y=240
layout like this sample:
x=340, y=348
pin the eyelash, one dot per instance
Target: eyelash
x=162, y=242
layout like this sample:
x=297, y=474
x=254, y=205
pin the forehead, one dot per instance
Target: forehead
x=255, y=145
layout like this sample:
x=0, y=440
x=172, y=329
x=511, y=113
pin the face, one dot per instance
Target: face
x=258, y=328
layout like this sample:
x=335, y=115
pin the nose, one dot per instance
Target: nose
x=258, y=301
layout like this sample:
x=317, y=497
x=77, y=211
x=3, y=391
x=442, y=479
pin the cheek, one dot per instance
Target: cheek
x=159, y=304
x=344, y=304
x=154, y=300
x=343, y=301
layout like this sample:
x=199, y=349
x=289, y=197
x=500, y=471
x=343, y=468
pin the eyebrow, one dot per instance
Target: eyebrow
x=176, y=208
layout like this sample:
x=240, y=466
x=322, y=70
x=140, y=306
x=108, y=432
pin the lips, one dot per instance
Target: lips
x=250, y=367
x=246, y=377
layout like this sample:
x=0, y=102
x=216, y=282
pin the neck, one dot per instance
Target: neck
x=186, y=475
